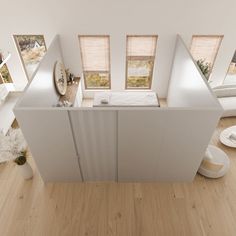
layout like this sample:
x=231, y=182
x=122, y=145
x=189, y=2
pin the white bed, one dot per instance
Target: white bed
x=126, y=99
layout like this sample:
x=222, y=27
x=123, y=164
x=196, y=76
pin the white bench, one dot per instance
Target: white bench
x=126, y=99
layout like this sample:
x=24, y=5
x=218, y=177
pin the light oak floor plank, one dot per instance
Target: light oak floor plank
x=204, y=207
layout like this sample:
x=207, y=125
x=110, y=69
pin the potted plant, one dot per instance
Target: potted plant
x=13, y=147
x=205, y=68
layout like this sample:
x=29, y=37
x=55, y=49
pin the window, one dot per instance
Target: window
x=31, y=49
x=204, y=49
x=140, y=57
x=95, y=55
x=231, y=74
x=5, y=76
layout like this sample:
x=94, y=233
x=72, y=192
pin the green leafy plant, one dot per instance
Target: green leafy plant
x=205, y=68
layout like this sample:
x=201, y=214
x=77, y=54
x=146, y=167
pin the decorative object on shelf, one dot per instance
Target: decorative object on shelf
x=13, y=147
x=60, y=78
x=205, y=68
x=70, y=76
x=1, y=57
x=64, y=104
x=69, y=99
x=215, y=163
x=228, y=137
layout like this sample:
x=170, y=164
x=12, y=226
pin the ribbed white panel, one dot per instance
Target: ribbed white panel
x=96, y=139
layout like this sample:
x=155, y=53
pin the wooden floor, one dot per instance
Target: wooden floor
x=204, y=207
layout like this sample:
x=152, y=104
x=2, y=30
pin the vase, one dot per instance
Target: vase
x=26, y=170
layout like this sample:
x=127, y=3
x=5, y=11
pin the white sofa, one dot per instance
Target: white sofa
x=226, y=95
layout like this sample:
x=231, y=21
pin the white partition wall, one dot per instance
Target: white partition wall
x=120, y=143
x=169, y=144
x=165, y=144
x=41, y=91
x=47, y=129
x=49, y=136
x=188, y=86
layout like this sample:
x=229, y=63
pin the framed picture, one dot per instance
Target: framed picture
x=5, y=76
x=31, y=49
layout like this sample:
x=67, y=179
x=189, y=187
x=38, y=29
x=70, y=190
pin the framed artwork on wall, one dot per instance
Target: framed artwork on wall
x=31, y=49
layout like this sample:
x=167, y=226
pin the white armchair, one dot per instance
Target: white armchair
x=226, y=95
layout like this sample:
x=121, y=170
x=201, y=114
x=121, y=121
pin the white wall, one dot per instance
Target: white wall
x=49, y=136
x=163, y=144
x=139, y=144
x=187, y=86
x=41, y=91
x=118, y=18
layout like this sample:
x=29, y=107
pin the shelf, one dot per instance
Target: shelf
x=5, y=60
x=6, y=111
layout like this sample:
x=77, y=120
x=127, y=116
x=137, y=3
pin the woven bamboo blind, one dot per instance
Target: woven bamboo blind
x=205, y=47
x=141, y=45
x=95, y=51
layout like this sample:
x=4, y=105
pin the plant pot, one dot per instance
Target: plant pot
x=26, y=170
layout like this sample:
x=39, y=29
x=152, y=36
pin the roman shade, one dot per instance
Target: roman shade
x=205, y=47
x=141, y=45
x=95, y=53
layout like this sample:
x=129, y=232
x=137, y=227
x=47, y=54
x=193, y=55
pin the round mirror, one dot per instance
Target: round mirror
x=60, y=78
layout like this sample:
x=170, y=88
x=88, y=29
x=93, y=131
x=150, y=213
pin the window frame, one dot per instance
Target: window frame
x=223, y=82
x=1, y=77
x=106, y=72
x=209, y=36
x=19, y=50
x=127, y=58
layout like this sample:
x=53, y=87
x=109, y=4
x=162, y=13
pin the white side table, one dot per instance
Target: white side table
x=224, y=137
x=217, y=166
